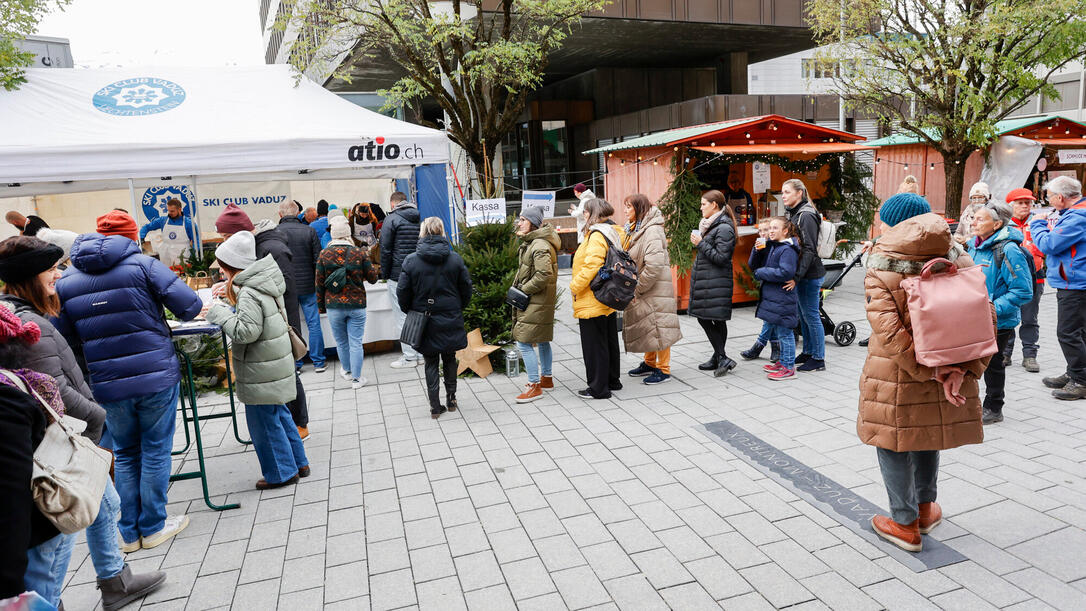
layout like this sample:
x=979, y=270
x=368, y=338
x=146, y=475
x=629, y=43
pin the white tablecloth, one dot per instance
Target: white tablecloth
x=380, y=318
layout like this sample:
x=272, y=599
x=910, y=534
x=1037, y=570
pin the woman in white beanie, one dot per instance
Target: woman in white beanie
x=979, y=196
x=250, y=311
x=342, y=267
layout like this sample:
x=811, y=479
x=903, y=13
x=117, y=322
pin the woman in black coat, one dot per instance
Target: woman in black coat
x=434, y=279
x=711, y=280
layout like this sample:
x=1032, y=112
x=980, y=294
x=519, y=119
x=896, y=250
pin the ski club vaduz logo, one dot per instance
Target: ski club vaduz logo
x=155, y=198
x=136, y=97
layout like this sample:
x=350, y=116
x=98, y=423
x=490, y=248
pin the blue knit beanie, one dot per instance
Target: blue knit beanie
x=901, y=207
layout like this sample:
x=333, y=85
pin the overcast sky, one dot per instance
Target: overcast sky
x=108, y=33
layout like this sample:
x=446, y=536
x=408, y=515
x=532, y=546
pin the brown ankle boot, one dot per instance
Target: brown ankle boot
x=931, y=514
x=905, y=536
x=546, y=382
x=531, y=393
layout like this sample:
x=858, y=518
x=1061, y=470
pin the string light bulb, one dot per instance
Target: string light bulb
x=799, y=136
x=621, y=162
x=655, y=162
x=878, y=160
x=931, y=166
x=906, y=167
x=746, y=135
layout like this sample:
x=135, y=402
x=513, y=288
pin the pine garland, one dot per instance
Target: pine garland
x=681, y=207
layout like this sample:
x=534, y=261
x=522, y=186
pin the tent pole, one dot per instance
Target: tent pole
x=199, y=242
x=132, y=197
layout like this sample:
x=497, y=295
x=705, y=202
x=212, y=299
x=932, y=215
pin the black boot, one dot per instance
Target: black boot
x=774, y=351
x=450, y=384
x=753, y=352
x=711, y=364
x=126, y=587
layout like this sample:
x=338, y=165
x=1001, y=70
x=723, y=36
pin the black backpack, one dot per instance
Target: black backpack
x=998, y=257
x=616, y=281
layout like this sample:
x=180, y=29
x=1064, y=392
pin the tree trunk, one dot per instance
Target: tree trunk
x=482, y=157
x=954, y=175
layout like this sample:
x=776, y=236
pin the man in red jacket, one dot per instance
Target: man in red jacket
x=1021, y=201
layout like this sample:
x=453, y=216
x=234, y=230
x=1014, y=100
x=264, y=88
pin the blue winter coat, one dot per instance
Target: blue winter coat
x=111, y=306
x=1064, y=246
x=774, y=265
x=1010, y=286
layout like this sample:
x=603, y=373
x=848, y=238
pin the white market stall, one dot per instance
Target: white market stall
x=79, y=131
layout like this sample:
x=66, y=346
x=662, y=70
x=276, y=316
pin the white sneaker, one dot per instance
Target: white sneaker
x=404, y=364
x=346, y=375
x=320, y=369
x=174, y=525
x=359, y=383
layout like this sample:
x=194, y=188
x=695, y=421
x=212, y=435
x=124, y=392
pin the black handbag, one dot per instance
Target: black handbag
x=517, y=298
x=414, y=326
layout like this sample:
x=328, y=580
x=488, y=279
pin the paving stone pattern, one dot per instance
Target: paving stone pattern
x=619, y=503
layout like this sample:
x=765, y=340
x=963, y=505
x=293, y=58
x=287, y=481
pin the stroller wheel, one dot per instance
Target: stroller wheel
x=845, y=333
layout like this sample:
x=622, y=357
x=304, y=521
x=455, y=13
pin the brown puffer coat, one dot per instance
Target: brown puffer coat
x=650, y=323
x=901, y=407
x=537, y=276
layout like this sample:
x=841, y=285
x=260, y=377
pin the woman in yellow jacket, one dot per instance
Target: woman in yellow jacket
x=598, y=323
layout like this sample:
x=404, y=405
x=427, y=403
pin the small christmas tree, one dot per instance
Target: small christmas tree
x=490, y=252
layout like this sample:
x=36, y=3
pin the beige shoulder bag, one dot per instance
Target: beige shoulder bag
x=70, y=472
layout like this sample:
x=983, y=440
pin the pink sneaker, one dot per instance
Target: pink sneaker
x=770, y=368
x=782, y=373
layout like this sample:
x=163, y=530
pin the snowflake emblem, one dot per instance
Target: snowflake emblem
x=139, y=96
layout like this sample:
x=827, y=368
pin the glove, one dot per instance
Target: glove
x=951, y=378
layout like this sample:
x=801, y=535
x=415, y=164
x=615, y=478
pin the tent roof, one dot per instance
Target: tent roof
x=1006, y=126
x=766, y=130
x=67, y=125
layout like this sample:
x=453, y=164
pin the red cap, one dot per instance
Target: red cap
x=1020, y=194
x=118, y=223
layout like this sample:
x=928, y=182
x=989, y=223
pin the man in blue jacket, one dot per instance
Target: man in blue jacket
x=320, y=224
x=111, y=307
x=179, y=233
x=1061, y=236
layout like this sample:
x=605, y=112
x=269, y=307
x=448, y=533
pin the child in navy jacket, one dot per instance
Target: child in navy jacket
x=775, y=264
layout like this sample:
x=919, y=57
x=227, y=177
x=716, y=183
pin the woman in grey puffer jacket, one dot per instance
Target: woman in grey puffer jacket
x=263, y=362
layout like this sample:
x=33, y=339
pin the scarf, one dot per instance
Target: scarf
x=44, y=385
x=706, y=223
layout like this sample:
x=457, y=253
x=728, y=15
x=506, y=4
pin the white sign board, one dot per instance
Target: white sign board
x=479, y=211
x=760, y=177
x=542, y=199
x=1072, y=155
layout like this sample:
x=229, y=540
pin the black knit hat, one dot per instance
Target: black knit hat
x=23, y=266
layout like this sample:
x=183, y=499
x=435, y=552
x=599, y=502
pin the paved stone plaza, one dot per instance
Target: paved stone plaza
x=620, y=503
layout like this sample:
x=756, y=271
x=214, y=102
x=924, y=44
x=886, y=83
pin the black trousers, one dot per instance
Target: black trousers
x=448, y=360
x=599, y=346
x=299, y=409
x=995, y=376
x=1071, y=331
x=717, y=332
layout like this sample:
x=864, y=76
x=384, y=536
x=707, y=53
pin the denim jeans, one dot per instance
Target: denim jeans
x=142, y=429
x=787, y=341
x=1030, y=331
x=278, y=447
x=312, y=315
x=102, y=536
x=47, y=565
x=409, y=353
x=348, y=327
x=766, y=334
x=531, y=364
x=910, y=479
x=810, y=322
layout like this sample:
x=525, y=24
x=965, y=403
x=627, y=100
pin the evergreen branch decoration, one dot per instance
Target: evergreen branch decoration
x=681, y=207
x=747, y=282
x=490, y=252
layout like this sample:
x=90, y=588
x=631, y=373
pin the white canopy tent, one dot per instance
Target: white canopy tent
x=69, y=130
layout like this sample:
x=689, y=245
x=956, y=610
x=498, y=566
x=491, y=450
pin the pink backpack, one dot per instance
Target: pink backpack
x=951, y=314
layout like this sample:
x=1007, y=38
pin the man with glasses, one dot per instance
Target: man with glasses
x=1061, y=236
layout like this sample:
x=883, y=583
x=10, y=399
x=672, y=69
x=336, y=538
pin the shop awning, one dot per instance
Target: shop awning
x=814, y=148
x=1061, y=141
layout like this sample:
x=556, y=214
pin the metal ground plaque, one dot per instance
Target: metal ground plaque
x=838, y=502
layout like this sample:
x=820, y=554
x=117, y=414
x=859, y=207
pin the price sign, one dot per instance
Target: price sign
x=479, y=211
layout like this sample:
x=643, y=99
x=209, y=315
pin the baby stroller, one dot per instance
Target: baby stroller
x=845, y=332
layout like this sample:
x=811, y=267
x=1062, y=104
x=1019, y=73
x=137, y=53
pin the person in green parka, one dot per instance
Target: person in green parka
x=249, y=308
x=537, y=275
